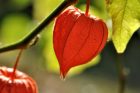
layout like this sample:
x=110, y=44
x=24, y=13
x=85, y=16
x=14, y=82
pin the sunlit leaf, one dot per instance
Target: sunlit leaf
x=126, y=20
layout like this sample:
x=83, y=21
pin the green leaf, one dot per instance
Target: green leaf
x=126, y=20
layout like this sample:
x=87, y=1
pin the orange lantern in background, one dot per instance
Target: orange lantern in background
x=19, y=83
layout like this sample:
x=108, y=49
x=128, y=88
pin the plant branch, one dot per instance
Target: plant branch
x=121, y=74
x=23, y=43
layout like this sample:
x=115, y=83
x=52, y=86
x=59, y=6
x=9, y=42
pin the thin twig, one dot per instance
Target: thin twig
x=87, y=7
x=16, y=64
x=23, y=43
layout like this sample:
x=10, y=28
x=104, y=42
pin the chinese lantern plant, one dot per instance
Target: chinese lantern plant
x=78, y=37
x=14, y=81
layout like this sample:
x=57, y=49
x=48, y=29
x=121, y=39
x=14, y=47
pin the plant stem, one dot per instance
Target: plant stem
x=16, y=64
x=23, y=43
x=121, y=74
x=87, y=7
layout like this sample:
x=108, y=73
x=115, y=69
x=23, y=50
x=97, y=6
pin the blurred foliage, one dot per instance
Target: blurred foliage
x=44, y=7
x=97, y=9
x=21, y=3
x=14, y=27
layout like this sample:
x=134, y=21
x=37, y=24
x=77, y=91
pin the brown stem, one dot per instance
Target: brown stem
x=87, y=7
x=16, y=64
x=23, y=43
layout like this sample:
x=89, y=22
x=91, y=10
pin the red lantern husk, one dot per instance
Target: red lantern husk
x=77, y=38
x=20, y=83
